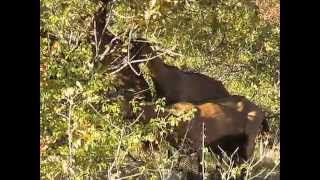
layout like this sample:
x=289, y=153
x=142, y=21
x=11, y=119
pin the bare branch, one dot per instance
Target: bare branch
x=70, y=38
x=141, y=91
x=136, y=119
x=128, y=62
x=95, y=36
x=121, y=16
x=202, y=153
x=122, y=67
x=75, y=47
x=105, y=26
x=258, y=174
x=115, y=60
x=131, y=176
x=148, y=59
x=106, y=51
x=102, y=116
x=171, y=52
x=64, y=116
x=272, y=171
x=117, y=154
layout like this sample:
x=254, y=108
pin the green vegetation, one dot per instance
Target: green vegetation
x=85, y=135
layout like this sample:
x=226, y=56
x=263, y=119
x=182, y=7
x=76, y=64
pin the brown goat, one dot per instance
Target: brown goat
x=132, y=85
x=229, y=118
x=101, y=38
x=177, y=85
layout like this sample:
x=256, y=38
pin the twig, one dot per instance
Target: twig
x=105, y=52
x=171, y=167
x=148, y=59
x=258, y=174
x=136, y=61
x=136, y=119
x=70, y=137
x=117, y=154
x=133, y=158
x=119, y=69
x=108, y=51
x=271, y=171
x=171, y=52
x=95, y=36
x=105, y=27
x=98, y=43
x=141, y=91
x=69, y=131
x=180, y=148
x=121, y=16
x=102, y=116
x=128, y=62
x=70, y=38
x=250, y=166
x=254, y=165
x=130, y=176
x=64, y=116
x=181, y=145
x=75, y=47
x=115, y=60
x=202, y=153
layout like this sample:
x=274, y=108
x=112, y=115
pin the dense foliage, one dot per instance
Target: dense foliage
x=84, y=133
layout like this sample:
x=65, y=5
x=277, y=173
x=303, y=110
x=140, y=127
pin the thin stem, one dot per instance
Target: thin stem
x=70, y=168
x=104, y=28
x=130, y=176
x=136, y=61
x=136, y=120
x=121, y=16
x=95, y=36
x=202, y=153
x=117, y=154
x=272, y=170
x=102, y=116
x=258, y=174
x=128, y=62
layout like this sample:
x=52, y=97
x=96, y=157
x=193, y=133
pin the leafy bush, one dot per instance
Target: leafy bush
x=84, y=133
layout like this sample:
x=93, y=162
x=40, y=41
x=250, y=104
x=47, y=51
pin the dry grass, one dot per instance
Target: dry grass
x=265, y=164
x=269, y=10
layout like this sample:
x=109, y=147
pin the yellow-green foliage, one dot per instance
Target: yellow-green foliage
x=84, y=134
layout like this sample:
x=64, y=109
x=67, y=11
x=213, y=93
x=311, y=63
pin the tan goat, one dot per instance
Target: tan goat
x=229, y=117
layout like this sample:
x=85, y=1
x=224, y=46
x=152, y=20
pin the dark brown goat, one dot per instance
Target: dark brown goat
x=102, y=41
x=177, y=85
x=227, y=118
x=106, y=48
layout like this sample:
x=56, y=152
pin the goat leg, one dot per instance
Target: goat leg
x=200, y=165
